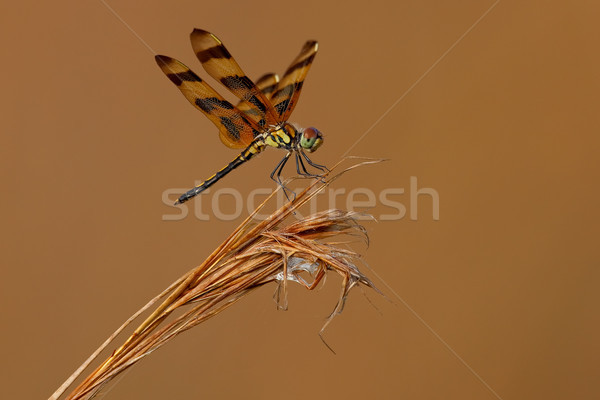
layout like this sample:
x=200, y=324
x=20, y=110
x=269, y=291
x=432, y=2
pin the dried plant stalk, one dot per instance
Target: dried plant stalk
x=251, y=256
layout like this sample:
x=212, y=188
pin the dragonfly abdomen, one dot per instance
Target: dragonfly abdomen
x=244, y=156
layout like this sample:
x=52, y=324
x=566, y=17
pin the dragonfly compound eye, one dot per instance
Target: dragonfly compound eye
x=311, y=139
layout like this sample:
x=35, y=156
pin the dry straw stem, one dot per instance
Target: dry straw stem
x=302, y=251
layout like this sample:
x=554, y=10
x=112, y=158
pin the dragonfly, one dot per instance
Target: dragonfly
x=260, y=119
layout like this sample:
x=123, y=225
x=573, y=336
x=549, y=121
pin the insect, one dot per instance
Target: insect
x=260, y=118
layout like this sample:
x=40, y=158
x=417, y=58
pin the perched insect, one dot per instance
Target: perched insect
x=260, y=118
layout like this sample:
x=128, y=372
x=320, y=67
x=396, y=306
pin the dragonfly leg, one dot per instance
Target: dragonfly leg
x=304, y=172
x=276, y=175
x=300, y=163
x=312, y=164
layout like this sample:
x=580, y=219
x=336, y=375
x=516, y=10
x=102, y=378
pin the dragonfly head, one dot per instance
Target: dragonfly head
x=311, y=139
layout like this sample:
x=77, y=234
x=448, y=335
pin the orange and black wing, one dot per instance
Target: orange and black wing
x=219, y=64
x=286, y=94
x=266, y=84
x=235, y=128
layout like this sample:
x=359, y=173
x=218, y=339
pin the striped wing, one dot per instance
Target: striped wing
x=288, y=89
x=235, y=129
x=219, y=64
x=266, y=84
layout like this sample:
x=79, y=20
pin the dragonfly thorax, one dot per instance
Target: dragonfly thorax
x=282, y=136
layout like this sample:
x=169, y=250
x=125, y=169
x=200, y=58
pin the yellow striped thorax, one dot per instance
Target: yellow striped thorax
x=282, y=136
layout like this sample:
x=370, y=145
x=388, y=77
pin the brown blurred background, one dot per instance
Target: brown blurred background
x=504, y=127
